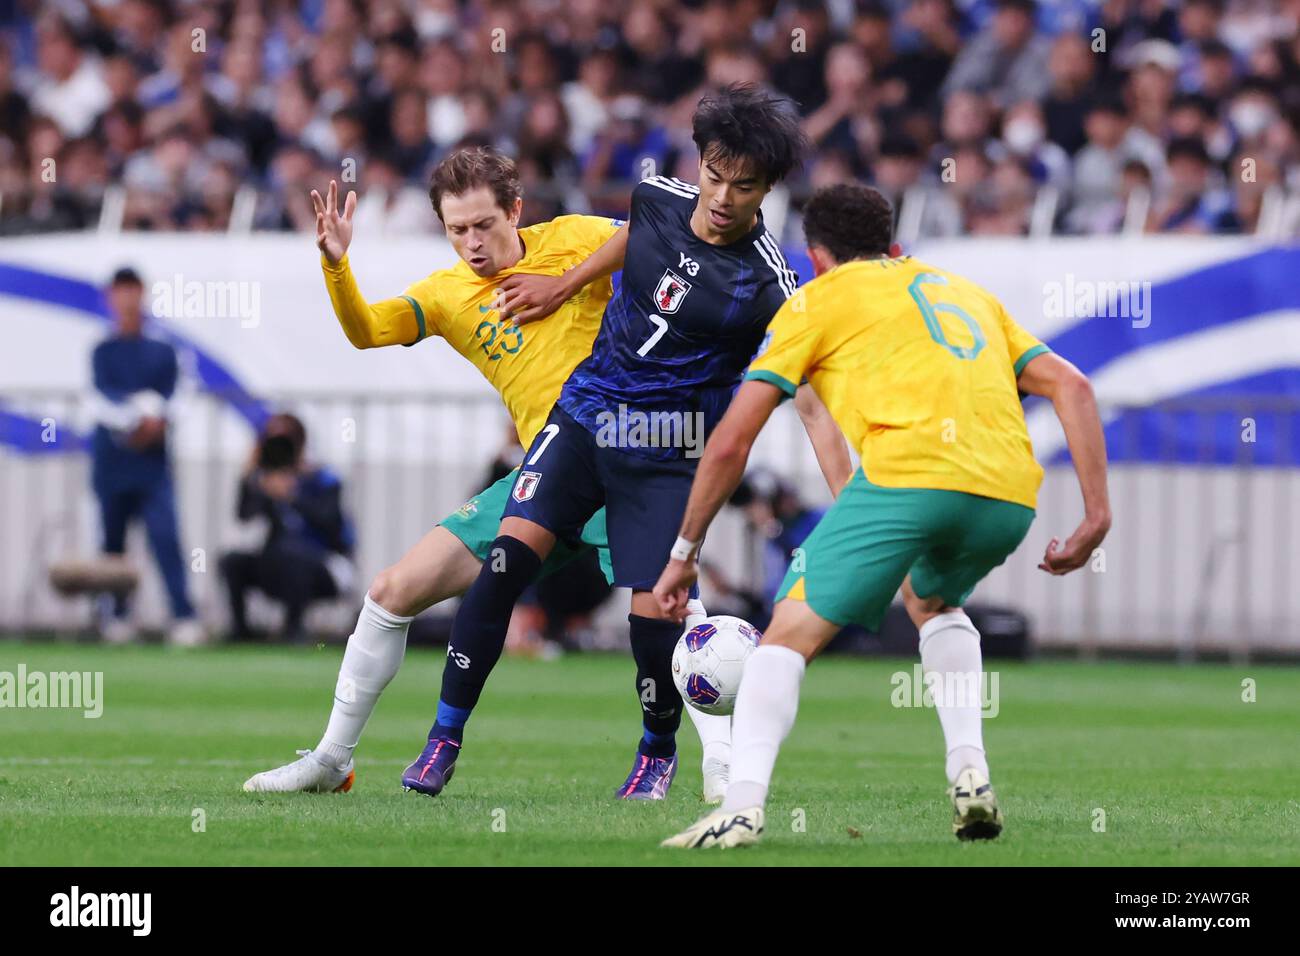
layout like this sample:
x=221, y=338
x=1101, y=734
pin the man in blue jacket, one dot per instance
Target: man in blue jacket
x=134, y=378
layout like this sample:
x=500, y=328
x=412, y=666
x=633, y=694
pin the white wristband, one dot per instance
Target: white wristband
x=683, y=549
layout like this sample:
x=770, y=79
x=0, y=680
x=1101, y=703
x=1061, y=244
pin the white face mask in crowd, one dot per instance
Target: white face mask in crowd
x=1023, y=135
x=1251, y=117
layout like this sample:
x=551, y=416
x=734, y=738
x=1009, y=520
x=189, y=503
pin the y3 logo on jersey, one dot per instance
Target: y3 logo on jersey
x=670, y=292
x=461, y=660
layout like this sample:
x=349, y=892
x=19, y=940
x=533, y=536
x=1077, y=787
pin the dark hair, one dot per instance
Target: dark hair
x=1196, y=101
x=1108, y=102
x=1187, y=147
x=849, y=220
x=127, y=276
x=283, y=426
x=899, y=145
x=472, y=167
x=1215, y=48
x=742, y=123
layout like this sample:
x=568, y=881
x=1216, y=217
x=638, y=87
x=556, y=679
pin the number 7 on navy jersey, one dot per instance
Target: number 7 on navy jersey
x=661, y=326
x=550, y=431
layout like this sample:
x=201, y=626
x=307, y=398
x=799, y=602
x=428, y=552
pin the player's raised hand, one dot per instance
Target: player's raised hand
x=527, y=297
x=333, y=228
x=673, y=588
x=1078, y=549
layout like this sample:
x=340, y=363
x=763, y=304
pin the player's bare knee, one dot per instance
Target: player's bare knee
x=391, y=592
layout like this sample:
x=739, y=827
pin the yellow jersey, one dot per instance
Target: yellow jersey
x=528, y=365
x=918, y=367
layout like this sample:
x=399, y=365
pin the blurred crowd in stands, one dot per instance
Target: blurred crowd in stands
x=213, y=114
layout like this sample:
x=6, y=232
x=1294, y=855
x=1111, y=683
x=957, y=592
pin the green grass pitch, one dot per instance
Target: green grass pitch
x=1184, y=770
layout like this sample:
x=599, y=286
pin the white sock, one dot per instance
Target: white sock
x=374, y=653
x=714, y=730
x=950, y=649
x=765, y=712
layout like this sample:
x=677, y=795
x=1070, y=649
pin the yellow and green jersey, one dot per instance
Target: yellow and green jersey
x=918, y=367
x=525, y=365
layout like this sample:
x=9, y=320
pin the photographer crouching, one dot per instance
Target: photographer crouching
x=307, y=554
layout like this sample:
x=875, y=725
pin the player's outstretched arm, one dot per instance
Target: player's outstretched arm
x=530, y=297
x=719, y=473
x=828, y=442
x=390, y=322
x=1071, y=395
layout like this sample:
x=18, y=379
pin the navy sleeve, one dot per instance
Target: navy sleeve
x=166, y=384
x=102, y=374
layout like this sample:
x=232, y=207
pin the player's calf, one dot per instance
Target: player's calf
x=477, y=638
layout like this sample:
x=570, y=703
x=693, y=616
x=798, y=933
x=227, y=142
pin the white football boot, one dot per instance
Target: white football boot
x=721, y=828
x=187, y=632
x=975, y=814
x=117, y=630
x=308, y=774
x=717, y=774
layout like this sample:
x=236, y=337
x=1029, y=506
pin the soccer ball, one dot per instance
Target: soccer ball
x=709, y=660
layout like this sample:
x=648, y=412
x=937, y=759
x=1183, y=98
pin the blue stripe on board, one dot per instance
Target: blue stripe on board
x=28, y=435
x=1237, y=424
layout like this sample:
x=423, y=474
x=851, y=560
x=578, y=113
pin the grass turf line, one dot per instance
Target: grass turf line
x=1186, y=772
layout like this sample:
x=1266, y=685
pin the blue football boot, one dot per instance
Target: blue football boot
x=432, y=770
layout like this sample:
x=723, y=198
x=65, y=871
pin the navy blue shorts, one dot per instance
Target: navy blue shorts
x=567, y=476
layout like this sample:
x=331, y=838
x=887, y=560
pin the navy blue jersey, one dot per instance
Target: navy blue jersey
x=123, y=365
x=686, y=320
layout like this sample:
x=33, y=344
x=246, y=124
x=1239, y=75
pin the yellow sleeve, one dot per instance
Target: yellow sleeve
x=402, y=320
x=590, y=232
x=791, y=347
x=1021, y=346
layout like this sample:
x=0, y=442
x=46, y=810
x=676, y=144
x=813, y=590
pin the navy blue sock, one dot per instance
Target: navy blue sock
x=478, y=633
x=653, y=641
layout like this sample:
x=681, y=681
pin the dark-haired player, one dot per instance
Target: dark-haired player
x=921, y=369
x=702, y=277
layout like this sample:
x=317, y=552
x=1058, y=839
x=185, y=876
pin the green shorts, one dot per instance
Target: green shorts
x=477, y=521
x=853, y=563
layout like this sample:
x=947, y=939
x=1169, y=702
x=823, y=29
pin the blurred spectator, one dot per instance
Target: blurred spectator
x=1024, y=138
x=307, y=553
x=1073, y=68
x=1098, y=167
x=1193, y=201
x=1006, y=60
x=135, y=378
x=592, y=96
x=71, y=89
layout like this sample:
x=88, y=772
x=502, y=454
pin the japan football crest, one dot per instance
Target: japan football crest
x=670, y=292
x=526, y=486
